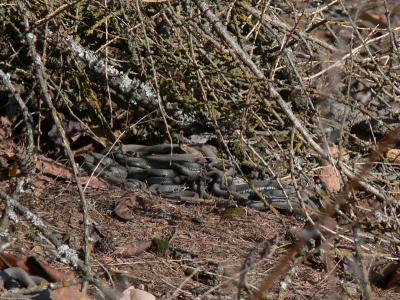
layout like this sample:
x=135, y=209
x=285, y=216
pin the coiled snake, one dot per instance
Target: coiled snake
x=197, y=172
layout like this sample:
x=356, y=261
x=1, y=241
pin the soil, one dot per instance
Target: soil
x=207, y=248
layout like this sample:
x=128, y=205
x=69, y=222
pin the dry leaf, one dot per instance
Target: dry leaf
x=50, y=167
x=393, y=155
x=134, y=249
x=335, y=153
x=124, y=208
x=135, y=294
x=190, y=150
x=35, y=267
x=331, y=179
x=14, y=170
x=374, y=19
x=94, y=182
x=68, y=293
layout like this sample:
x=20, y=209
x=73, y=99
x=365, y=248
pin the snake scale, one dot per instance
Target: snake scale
x=169, y=171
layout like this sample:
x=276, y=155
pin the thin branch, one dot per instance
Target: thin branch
x=41, y=76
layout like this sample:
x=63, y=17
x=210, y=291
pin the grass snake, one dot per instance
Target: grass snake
x=167, y=170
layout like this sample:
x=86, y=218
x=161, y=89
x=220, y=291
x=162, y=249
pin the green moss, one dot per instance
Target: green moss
x=159, y=246
x=234, y=212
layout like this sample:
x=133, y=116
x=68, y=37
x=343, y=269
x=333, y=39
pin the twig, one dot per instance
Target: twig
x=139, y=92
x=158, y=96
x=41, y=75
x=29, y=168
x=249, y=262
x=353, y=52
x=245, y=59
x=25, y=112
x=55, y=13
x=359, y=268
x=66, y=254
x=285, y=27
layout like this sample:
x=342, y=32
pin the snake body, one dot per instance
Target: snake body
x=181, y=174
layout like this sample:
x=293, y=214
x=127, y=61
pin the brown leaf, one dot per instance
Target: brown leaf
x=50, y=167
x=67, y=293
x=14, y=170
x=331, y=178
x=134, y=249
x=190, y=150
x=41, y=182
x=374, y=19
x=7, y=260
x=39, y=268
x=82, y=151
x=124, y=208
x=35, y=267
x=135, y=294
x=94, y=182
x=393, y=155
x=335, y=153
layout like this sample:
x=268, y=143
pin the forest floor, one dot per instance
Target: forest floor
x=208, y=249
